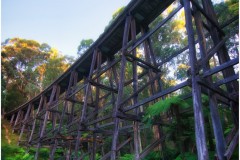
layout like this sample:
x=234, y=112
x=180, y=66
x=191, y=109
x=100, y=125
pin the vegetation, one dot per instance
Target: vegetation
x=84, y=45
x=28, y=67
x=11, y=151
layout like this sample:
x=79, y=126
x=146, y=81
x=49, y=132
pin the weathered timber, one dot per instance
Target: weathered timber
x=90, y=99
x=157, y=95
x=232, y=146
x=196, y=92
x=120, y=88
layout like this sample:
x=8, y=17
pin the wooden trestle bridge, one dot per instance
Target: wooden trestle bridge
x=86, y=105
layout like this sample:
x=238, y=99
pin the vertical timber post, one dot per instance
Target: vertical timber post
x=24, y=121
x=136, y=129
x=216, y=122
x=196, y=92
x=54, y=90
x=94, y=143
x=12, y=119
x=35, y=119
x=84, y=108
x=16, y=120
x=120, y=89
x=222, y=56
x=54, y=146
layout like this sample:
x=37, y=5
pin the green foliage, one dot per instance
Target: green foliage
x=187, y=156
x=84, y=45
x=28, y=67
x=87, y=157
x=153, y=155
x=163, y=106
x=114, y=16
x=44, y=153
x=127, y=157
x=11, y=152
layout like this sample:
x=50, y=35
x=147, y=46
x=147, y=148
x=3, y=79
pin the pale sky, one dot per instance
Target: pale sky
x=61, y=24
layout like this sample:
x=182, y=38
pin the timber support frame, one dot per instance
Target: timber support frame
x=96, y=106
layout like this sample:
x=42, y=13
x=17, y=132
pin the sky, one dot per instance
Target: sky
x=60, y=23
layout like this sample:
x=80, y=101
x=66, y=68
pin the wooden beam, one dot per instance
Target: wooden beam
x=84, y=108
x=215, y=89
x=196, y=92
x=157, y=95
x=41, y=135
x=221, y=67
x=120, y=88
x=207, y=16
x=231, y=135
x=232, y=146
x=226, y=80
x=24, y=121
x=103, y=86
x=130, y=117
x=149, y=148
x=159, y=25
x=143, y=62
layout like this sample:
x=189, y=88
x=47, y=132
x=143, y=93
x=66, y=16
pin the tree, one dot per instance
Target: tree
x=56, y=65
x=84, y=45
x=20, y=57
x=28, y=67
x=114, y=16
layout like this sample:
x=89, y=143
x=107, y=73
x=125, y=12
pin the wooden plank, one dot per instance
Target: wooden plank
x=120, y=88
x=230, y=135
x=137, y=137
x=84, y=108
x=215, y=49
x=106, y=125
x=109, y=66
x=124, y=143
x=222, y=53
x=207, y=16
x=141, y=89
x=226, y=80
x=129, y=117
x=217, y=127
x=233, y=19
x=97, y=95
x=221, y=67
x=213, y=105
x=143, y=62
x=12, y=119
x=76, y=89
x=160, y=24
x=99, y=120
x=78, y=102
x=139, y=77
x=149, y=148
x=24, y=121
x=92, y=114
x=17, y=119
x=41, y=135
x=232, y=146
x=106, y=156
x=196, y=92
x=103, y=86
x=215, y=89
x=157, y=95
